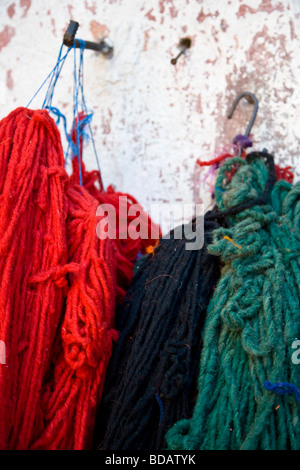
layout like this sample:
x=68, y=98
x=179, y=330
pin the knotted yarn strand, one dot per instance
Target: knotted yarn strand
x=33, y=209
x=252, y=321
x=99, y=271
x=71, y=396
x=59, y=283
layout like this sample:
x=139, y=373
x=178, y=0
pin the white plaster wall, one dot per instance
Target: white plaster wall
x=153, y=120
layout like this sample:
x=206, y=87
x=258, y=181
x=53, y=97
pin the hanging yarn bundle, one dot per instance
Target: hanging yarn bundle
x=59, y=282
x=33, y=211
x=151, y=377
x=240, y=142
x=99, y=273
x=247, y=379
x=71, y=395
x=144, y=422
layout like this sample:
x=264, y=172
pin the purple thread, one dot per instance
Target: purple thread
x=282, y=388
x=139, y=255
x=242, y=141
x=161, y=407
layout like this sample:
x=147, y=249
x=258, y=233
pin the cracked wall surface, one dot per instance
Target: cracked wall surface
x=152, y=120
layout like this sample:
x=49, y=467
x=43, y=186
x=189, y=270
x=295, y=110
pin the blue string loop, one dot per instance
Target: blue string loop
x=79, y=87
x=78, y=96
x=283, y=388
x=75, y=108
x=54, y=73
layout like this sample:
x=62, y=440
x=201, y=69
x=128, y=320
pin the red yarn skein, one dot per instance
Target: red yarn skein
x=59, y=284
x=71, y=396
x=33, y=210
x=100, y=271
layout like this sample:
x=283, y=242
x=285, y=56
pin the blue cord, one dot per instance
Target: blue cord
x=76, y=116
x=53, y=80
x=60, y=116
x=78, y=91
x=59, y=60
x=282, y=388
x=81, y=85
x=48, y=100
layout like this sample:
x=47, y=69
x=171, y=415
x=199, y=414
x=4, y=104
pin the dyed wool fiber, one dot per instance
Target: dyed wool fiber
x=127, y=248
x=151, y=377
x=33, y=210
x=72, y=394
x=99, y=271
x=59, y=283
x=252, y=321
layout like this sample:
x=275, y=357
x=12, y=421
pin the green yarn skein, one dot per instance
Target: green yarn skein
x=252, y=320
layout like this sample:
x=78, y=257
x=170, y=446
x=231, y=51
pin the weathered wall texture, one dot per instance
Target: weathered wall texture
x=153, y=120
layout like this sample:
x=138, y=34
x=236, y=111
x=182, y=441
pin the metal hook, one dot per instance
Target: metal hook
x=252, y=99
x=69, y=40
x=184, y=44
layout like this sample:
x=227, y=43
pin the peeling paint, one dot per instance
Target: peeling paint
x=92, y=7
x=266, y=6
x=173, y=11
x=98, y=30
x=199, y=105
x=11, y=10
x=26, y=4
x=70, y=10
x=53, y=26
x=153, y=120
x=150, y=16
x=202, y=16
x=106, y=129
x=146, y=39
x=293, y=33
x=9, y=79
x=260, y=50
x=5, y=36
